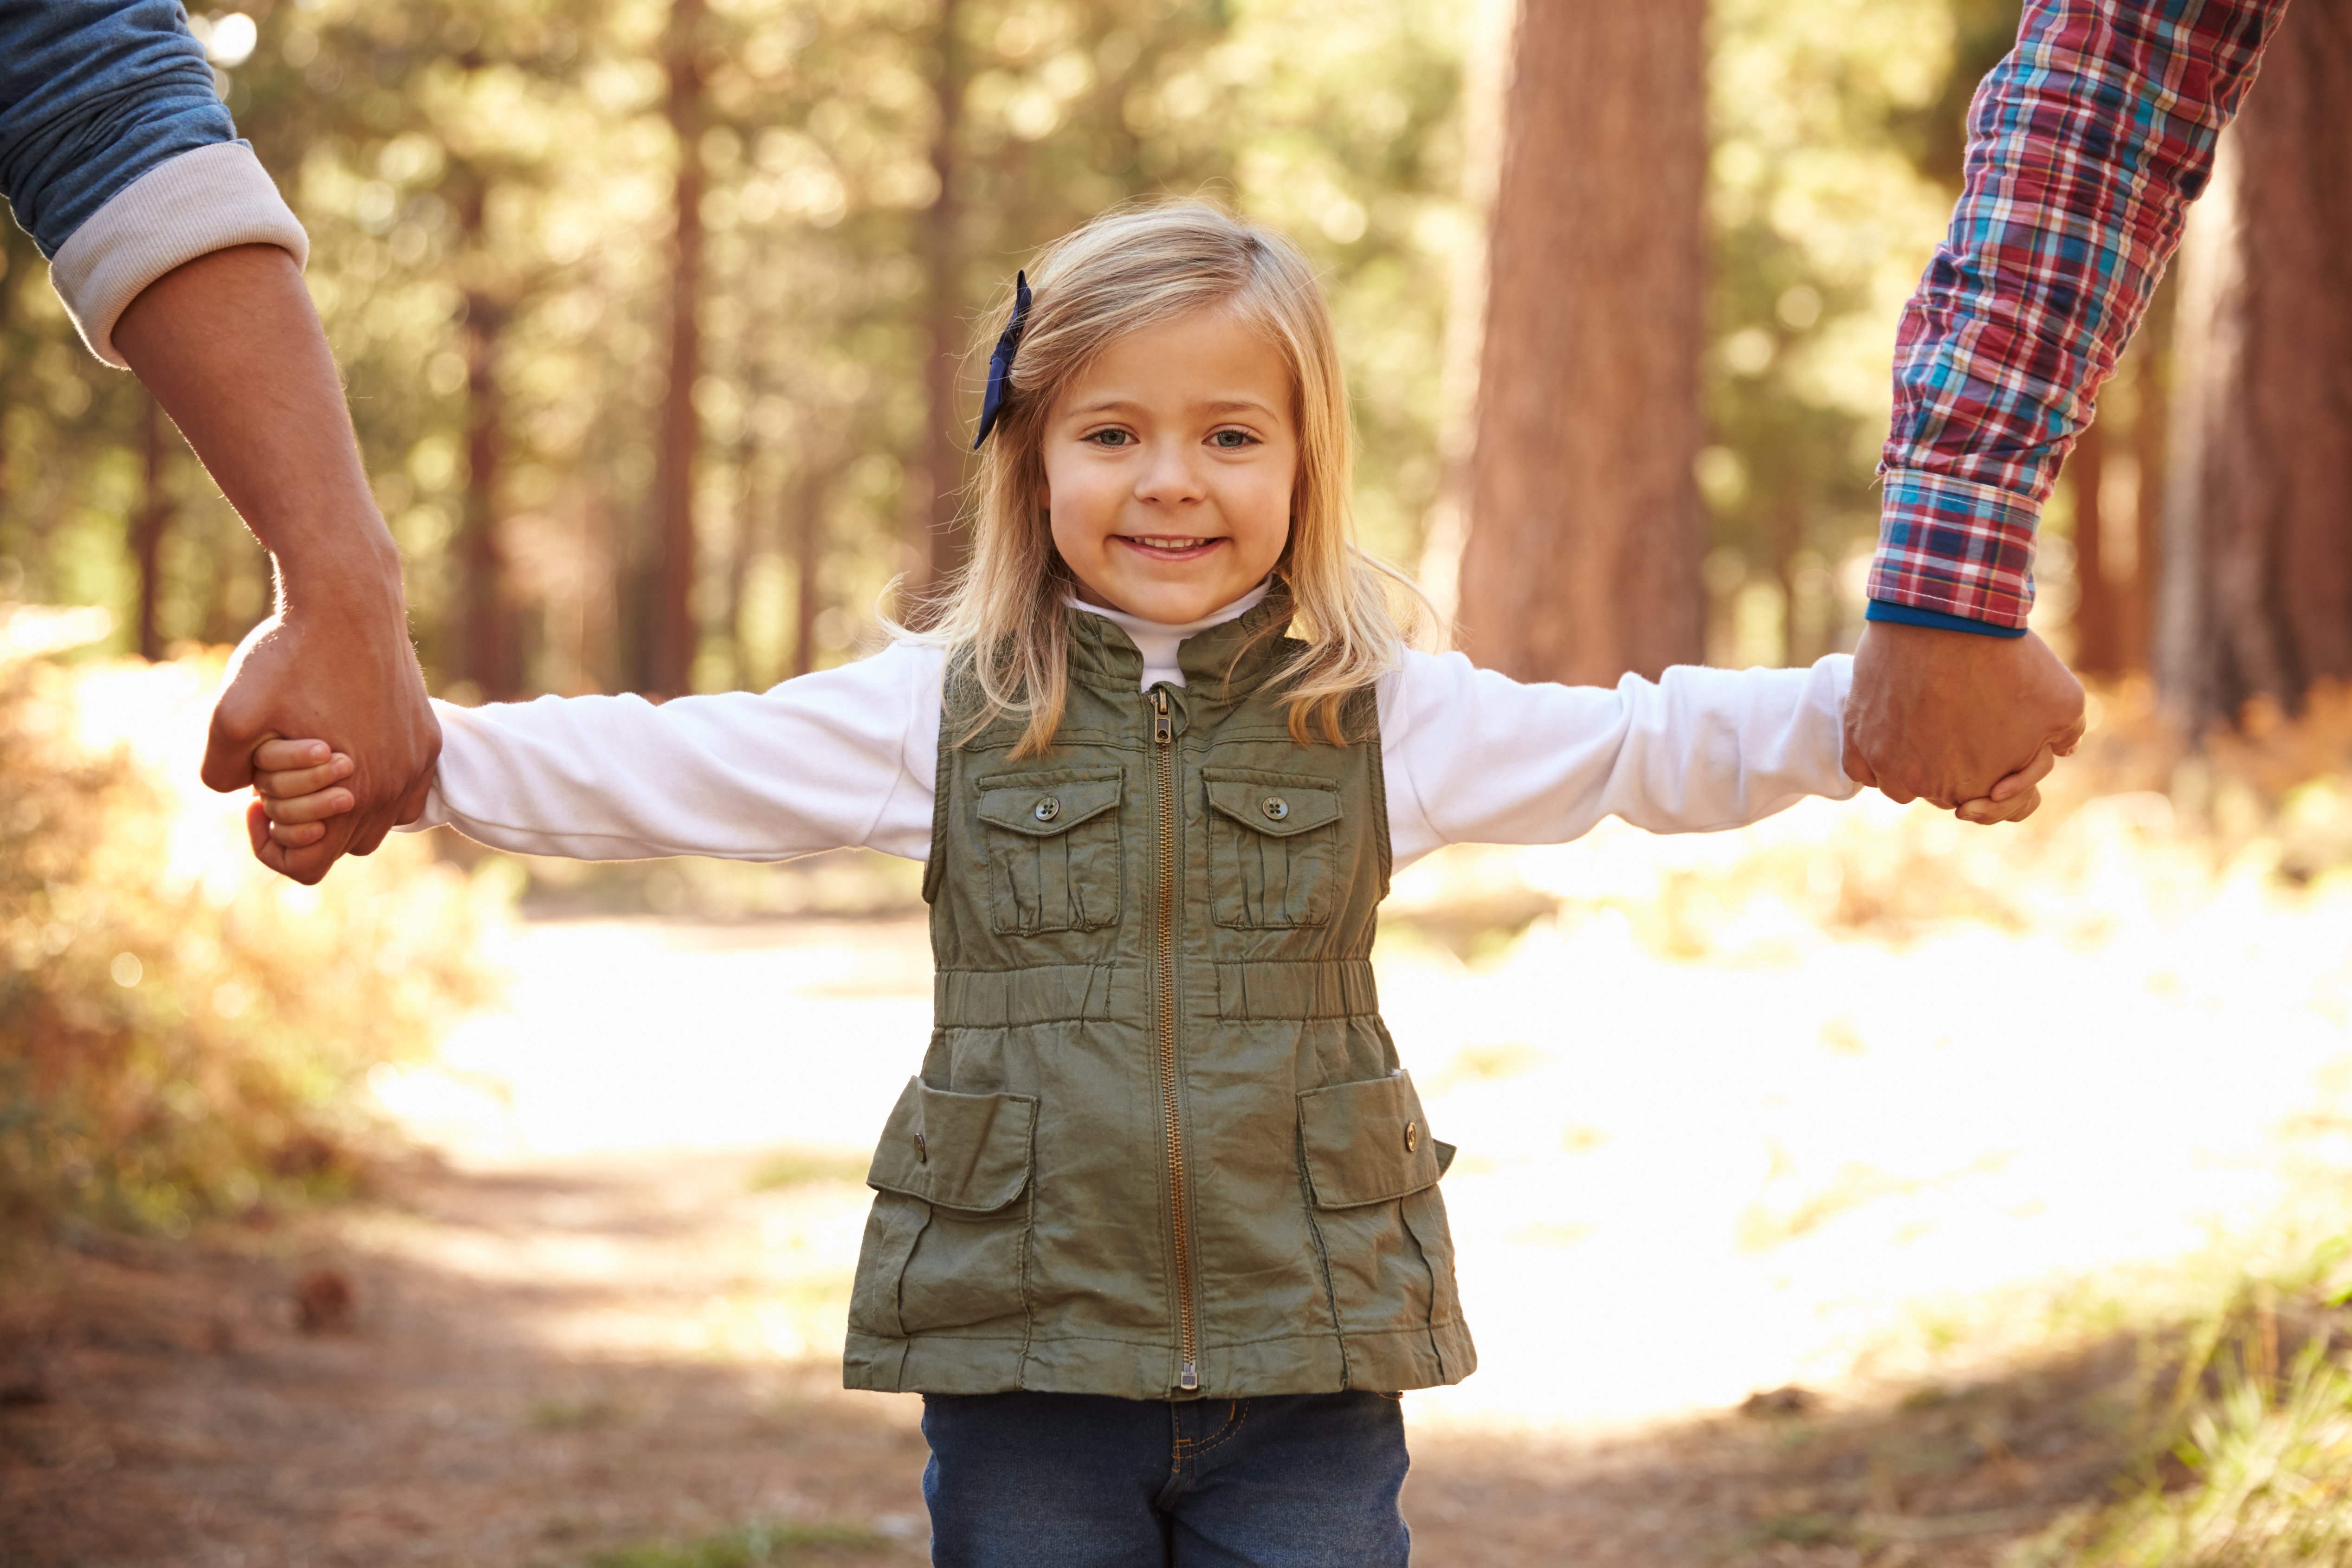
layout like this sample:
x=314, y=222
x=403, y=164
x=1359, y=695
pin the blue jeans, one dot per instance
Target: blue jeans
x=1084, y=1480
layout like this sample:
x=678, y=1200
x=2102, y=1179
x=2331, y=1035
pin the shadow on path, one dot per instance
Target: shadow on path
x=516, y=1385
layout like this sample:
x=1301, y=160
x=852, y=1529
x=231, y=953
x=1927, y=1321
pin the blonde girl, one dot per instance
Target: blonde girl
x=1156, y=1228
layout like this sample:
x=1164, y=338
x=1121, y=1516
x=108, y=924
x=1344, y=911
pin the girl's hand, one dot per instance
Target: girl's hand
x=2013, y=799
x=294, y=783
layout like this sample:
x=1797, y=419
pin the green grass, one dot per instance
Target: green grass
x=753, y=1546
x=806, y=1167
x=576, y=1415
x=1801, y=1530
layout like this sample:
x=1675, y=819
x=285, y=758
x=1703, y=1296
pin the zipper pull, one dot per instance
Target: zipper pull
x=1163, y=732
x=1190, y=1379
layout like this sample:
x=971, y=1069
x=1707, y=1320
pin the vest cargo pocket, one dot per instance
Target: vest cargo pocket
x=1372, y=1171
x=943, y=1245
x=1053, y=849
x=1272, y=842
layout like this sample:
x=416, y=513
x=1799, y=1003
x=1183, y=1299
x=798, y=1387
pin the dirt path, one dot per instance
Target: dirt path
x=525, y=1375
x=602, y=1335
x=564, y=1363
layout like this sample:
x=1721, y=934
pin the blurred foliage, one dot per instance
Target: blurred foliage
x=488, y=188
x=510, y=166
x=2248, y=1440
x=182, y=1033
x=1837, y=132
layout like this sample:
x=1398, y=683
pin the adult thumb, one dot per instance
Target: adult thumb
x=229, y=741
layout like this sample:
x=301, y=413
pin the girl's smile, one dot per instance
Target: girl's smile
x=1170, y=466
x=1160, y=548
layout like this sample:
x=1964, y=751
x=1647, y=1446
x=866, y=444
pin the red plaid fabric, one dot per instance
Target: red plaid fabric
x=2085, y=146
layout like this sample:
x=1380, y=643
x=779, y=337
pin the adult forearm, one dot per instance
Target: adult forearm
x=2085, y=146
x=231, y=347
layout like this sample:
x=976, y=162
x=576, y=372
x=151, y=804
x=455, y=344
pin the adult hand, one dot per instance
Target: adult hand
x=1947, y=716
x=231, y=347
x=325, y=666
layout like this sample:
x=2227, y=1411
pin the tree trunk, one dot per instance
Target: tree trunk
x=1585, y=539
x=148, y=527
x=743, y=550
x=670, y=668
x=939, y=487
x=2098, y=597
x=488, y=650
x=2258, y=592
x=2150, y=443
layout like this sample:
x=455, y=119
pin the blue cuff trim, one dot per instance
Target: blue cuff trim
x=1907, y=615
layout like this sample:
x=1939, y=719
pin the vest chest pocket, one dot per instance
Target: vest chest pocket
x=1272, y=848
x=1053, y=850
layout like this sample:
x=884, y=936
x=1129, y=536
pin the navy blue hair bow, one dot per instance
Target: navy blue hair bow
x=1000, y=364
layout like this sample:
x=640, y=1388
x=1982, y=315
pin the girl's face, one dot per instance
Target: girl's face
x=1169, y=467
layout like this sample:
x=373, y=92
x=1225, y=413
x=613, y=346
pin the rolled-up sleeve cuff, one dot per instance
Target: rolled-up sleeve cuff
x=198, y=202
x=1955, y=548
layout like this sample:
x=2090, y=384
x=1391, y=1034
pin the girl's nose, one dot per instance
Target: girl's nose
x=1172, y=477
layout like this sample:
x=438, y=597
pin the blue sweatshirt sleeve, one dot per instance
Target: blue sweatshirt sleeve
x=94, y=94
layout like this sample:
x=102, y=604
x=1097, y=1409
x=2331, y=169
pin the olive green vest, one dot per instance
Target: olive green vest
x=1160, y=1147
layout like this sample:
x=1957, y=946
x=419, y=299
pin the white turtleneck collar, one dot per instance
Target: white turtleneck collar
x=1157, y=642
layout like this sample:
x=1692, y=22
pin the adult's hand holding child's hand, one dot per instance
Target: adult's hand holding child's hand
x=2013, y=799
x=230, y=346
x=297, y=790
x=321, y=675
x=1970, y=723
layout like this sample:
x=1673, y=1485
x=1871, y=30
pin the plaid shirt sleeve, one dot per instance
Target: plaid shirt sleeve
x=2085, y=146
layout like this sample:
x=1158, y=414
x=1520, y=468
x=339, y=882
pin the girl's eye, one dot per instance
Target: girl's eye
x=1109, y=437
x=1232, y=440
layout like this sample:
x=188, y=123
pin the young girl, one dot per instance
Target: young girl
x=1156, y=1229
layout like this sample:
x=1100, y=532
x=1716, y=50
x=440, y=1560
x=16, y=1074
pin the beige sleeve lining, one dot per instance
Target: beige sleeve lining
x=193, y=204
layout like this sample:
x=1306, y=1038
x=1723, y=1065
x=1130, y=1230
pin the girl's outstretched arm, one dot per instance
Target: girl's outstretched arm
x=1473, y=756
x=829, y=760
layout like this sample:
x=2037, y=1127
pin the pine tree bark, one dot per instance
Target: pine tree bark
x=2258, y=583
x=674, y=636
x=2098, y=602
x=489, y=644
x=1585, y=539
x=2151, y=445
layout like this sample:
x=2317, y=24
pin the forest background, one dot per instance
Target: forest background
x=513, y=205
x=655, y=318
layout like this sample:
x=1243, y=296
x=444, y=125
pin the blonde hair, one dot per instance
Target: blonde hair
x=1003, y=619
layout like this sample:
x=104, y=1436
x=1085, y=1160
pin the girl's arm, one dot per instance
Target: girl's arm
x=836, y=759
x=1473, y=756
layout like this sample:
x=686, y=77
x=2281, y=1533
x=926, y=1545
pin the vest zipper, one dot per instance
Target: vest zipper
x=1163, y=735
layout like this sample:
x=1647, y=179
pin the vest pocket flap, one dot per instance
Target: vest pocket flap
x=1279, y=809
x=957, y=1151
x=1041, y=808
x=1366, y=1142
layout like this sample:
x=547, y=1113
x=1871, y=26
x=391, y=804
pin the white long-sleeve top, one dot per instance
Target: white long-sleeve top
x=848, y=758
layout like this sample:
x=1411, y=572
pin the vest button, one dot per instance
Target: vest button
x=1275, y=808
x=922, y=1150
x=1412, y=1136
x=1047, y=809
